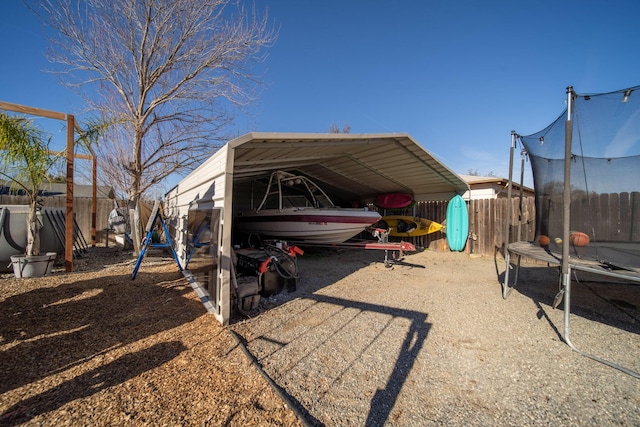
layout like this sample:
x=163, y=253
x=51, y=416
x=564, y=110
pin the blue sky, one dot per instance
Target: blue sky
x=457, y=76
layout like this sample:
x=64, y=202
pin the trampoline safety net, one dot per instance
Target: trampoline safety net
x=605, y=178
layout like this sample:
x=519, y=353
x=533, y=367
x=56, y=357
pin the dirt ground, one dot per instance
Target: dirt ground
x=94, y=347
x=356, y=344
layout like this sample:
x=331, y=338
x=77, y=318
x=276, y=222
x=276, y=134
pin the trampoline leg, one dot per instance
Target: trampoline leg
x=506, y=289
x=566, y=282
x=505, y=283
x=566, y=290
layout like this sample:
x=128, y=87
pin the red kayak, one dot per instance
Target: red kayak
x=394, y=200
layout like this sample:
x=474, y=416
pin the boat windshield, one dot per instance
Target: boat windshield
x=295, y=202
x=286, y=190
x=323, y=201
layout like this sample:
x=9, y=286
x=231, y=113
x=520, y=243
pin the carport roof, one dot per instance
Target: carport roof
x=355, y=166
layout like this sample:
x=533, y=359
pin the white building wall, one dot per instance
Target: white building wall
x=480, y=192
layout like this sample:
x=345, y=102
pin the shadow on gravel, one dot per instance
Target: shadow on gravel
x=396, y=362
x=320, y=347
x=606, y=300
x=384, y=399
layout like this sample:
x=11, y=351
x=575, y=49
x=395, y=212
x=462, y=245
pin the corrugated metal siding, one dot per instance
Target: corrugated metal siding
x=356, y=166
x=204, y=185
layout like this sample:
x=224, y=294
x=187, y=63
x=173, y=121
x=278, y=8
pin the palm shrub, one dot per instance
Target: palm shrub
x=26, y=161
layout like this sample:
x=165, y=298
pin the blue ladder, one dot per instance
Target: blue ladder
x=147, y=241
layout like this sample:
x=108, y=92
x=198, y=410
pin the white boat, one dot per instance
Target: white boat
x=295, y=208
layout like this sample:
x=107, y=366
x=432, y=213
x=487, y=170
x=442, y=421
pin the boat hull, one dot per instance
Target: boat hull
x=307, y=224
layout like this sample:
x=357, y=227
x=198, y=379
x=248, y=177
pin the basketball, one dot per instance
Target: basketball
x=543, y=240
x=579, y=239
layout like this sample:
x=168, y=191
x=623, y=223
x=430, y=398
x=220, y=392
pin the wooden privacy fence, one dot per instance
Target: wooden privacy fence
x=612, y=217
x=81, y=209
x=487, y=221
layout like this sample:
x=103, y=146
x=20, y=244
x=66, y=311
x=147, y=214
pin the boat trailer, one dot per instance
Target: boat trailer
x=393, y=251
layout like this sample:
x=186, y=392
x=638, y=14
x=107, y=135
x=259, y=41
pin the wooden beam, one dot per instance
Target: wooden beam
x=68, y=250
x=94, y=203
x=94, y=190
x=76, y=156
x=32, y=110
x=71, y=126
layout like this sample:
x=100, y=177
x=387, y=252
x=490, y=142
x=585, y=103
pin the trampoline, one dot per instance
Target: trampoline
x=586, y=174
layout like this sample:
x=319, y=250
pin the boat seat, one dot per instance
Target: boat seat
x=405, y=227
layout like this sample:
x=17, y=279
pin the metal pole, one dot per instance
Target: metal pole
x=505, y=285
x=521, y=195
x=566, y=212
x=508, y=214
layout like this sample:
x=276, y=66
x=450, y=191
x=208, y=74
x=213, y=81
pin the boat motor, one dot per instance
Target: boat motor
x=270, y=270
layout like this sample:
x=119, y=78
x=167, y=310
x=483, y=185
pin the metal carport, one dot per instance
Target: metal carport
x=350, y=167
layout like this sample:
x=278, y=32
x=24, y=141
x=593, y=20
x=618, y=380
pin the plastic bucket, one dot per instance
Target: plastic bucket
x=32, y=266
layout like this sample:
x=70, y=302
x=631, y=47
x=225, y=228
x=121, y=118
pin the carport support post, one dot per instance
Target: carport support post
x=223, y=303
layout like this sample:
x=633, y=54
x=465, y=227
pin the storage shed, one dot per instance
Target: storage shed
x=352, y=168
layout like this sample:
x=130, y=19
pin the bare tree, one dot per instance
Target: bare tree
x=335, y=128
x=166, y=73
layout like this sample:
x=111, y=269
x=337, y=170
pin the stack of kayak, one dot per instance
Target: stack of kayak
x=403, y=225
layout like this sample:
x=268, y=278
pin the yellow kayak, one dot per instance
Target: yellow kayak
x=407, y=226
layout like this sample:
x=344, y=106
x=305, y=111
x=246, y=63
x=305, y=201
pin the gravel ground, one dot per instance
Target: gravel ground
x=360, y=344
x=356, y=344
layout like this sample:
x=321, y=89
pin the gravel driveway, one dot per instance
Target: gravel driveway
x=360, y=344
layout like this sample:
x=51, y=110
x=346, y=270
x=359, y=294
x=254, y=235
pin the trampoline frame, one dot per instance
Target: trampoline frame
x=566, y=262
